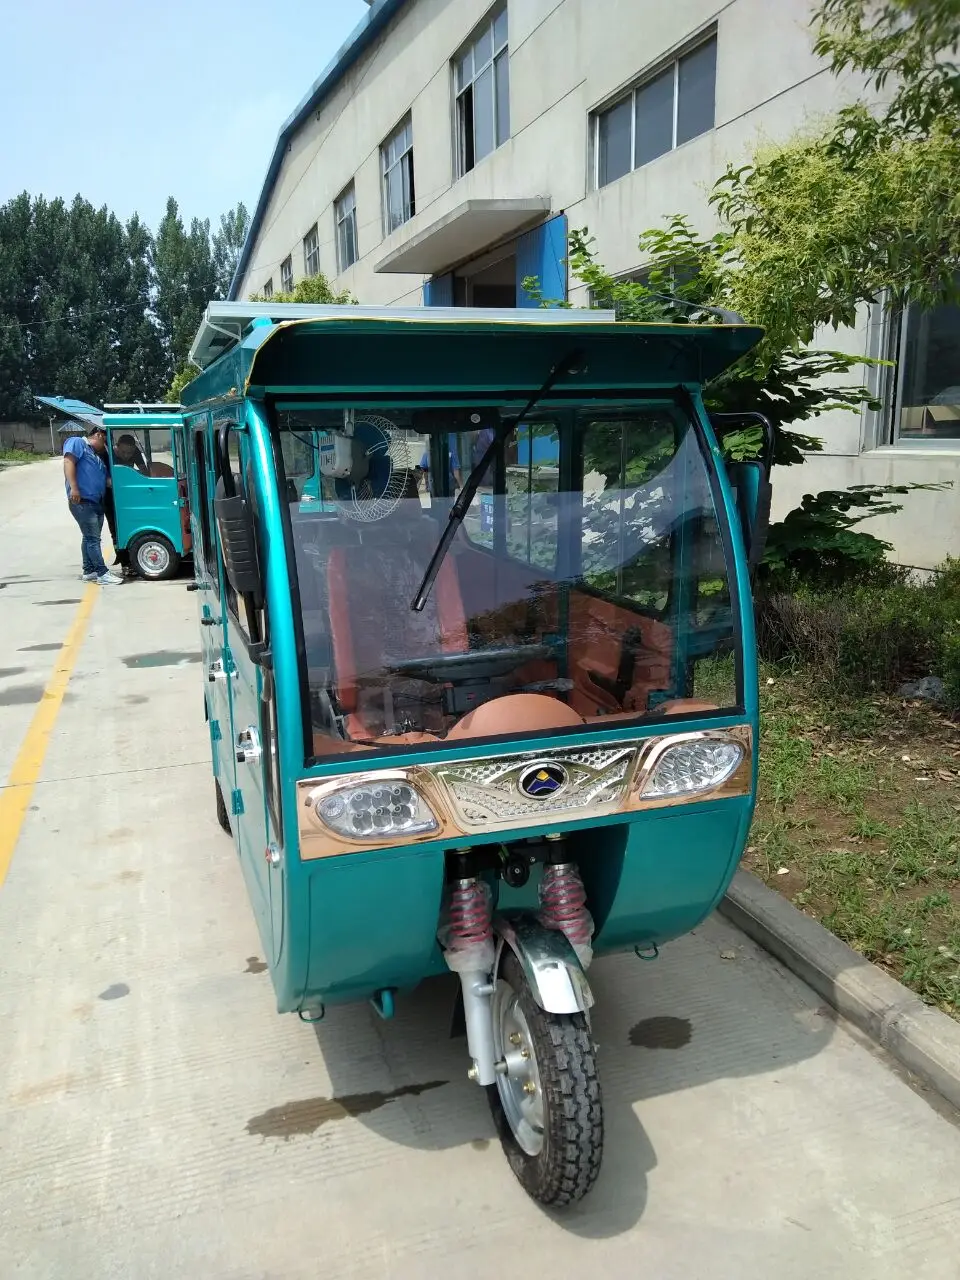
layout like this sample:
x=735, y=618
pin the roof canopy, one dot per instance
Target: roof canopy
x=440, y=351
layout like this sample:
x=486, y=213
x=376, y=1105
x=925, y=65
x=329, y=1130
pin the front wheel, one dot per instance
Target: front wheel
x=547, y=1104
x=153, y=556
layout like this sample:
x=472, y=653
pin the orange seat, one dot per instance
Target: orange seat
x=369, y=589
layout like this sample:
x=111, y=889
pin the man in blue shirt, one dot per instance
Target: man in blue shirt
x=86, y=477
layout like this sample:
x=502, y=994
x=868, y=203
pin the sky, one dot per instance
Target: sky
x=127, y=102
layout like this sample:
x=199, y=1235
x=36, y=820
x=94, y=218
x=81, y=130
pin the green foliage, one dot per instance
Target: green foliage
x=74, y=305
x=184, y=375
x=227, y=244
x=876, y=634
x=908, y=47
x=185, y=281
x=311, y=289
x=816, y=544
x=686, y=277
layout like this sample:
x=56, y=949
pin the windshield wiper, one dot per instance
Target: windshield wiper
x=467, y=494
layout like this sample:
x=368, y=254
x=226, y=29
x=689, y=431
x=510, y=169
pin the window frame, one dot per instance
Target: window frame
x=268, y=289
x=669, y=64
x=386, y=169
x=497, y=54
x=345, y=224
x=311, y=254
x=286, y=274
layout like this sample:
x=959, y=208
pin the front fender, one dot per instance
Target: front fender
x=549, y=963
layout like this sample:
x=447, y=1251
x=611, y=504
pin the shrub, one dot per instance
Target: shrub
x=871, y=636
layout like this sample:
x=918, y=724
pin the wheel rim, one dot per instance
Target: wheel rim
x=153, y=558
x=521, y=1093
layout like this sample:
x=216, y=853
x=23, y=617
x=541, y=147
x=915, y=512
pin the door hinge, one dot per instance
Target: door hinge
x=236, y=803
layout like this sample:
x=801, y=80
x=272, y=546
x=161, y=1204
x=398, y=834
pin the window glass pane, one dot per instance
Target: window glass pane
x=614, y=142
x=696, y=93
x=483, y=124
x=483, y=49
x=502, y=67
x=394, y=196
x=465, y=70
x=500, y=31
x=532, y=475
x=655, y=117
x=930, y=400
x=651, y=546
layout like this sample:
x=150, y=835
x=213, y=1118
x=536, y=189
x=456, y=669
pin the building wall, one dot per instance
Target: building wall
x=567, y=58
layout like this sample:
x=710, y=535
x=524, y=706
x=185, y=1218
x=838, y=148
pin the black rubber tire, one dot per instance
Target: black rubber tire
x=222, y=816
x=172, y=567
x=569, y=1161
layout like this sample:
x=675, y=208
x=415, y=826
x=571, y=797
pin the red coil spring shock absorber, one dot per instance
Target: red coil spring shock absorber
x=563, y=903
x=468, y=915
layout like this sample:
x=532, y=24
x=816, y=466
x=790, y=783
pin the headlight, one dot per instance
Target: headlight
x=376, y=811
x=691, y=767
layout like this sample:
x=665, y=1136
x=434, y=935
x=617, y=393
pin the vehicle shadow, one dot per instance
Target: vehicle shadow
x=712, y=1008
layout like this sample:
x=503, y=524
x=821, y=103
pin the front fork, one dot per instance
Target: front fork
x=552, y=947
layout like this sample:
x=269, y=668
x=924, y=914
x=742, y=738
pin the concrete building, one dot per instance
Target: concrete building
x=451, y=145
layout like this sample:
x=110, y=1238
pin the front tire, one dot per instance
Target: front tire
x=547, y=1106
x=153, y=556
x=222, y=816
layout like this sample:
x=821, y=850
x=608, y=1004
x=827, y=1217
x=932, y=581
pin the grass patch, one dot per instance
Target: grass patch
x=20, y=455
x=858, y=823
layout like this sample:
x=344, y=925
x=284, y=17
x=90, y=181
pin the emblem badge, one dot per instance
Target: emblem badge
x=542, y=781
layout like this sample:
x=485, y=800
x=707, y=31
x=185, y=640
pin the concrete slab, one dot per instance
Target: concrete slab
x=157, y=1118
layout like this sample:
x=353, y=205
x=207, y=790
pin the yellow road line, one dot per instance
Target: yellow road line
x=15, y=797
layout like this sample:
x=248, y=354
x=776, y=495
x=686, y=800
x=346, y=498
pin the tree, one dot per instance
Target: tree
x=184, y=281
x=74, y=305
x=315, y=289
x=227, y=244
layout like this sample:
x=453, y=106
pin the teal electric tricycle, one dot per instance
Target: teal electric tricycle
x=479, y=665
x=148, y=477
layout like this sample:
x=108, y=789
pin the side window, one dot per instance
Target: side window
x=158, y=448
x=179, y=453
x=207, y=548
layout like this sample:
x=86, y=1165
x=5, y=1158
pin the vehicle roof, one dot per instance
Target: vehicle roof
x=142, y=420
x=433, y=351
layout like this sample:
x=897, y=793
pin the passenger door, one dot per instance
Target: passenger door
x=253, y=718
x=214, y=653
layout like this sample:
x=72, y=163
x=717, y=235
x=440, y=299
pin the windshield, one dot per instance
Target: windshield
x=588, y=582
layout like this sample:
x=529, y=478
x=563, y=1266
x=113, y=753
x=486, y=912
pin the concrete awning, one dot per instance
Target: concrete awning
x=462, y=233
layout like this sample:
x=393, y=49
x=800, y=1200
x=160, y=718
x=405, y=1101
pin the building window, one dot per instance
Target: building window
x=661, y=113
x=927, y=399
x=482, y=81
x=286, y=275
x=268, y=288
x=396, y=155
x=311, y=252
x=345, y=215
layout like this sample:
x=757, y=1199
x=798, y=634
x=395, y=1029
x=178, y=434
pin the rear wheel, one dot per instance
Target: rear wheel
x=153, y=556
x=547, y=1106
x=222, y=816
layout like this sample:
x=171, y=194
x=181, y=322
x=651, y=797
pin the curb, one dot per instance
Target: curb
x=924, y=1040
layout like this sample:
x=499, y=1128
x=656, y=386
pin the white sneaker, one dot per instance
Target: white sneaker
x=88, y=577
x=108, y=580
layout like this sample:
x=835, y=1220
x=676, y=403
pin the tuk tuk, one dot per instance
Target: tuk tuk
x=501, y=724
x=148, y=473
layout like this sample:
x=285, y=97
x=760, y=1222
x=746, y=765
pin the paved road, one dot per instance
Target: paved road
x=158, y=1119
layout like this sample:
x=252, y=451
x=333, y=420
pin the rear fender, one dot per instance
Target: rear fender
x=549, y=963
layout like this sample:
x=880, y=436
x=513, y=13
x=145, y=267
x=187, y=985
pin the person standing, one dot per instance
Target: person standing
x=85, y=475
